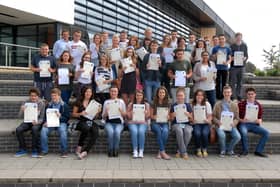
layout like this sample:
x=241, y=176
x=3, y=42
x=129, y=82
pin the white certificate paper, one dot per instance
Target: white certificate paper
x=180, y=113
x=252, y=113
x=115, y=54
x=123, y=45
x=44, y=65
x=127, y=63
x=141, y=52
x=153, y=62
x=63, y=76
x=168, y=55
x=226, y=120
x=210, y=74
x=114, y=109
x=180, y=78
x=138, y=112
x=199, y=113
x=221, y=57
x=52, y=118
x=238, y=58
x=30, y=112
x=198, y=52
x=102, y=86
x=92, y=109
x=88, y=68
x=162, y=114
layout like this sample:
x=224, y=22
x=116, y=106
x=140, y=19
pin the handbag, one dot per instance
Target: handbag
x=213, y=135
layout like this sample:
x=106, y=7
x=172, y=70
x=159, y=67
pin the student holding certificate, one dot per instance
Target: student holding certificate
x=239, y=57
x=226, y=106
x=222, y=56
x=138, y=114
x=181, y=115
x=128, y=80
x=63, y=115
x=250, y=113
x=133, y=42
x=152, y=77
x=103, y=78
x=204, y=75
x=96, y=49
x=180, y=65
x=114, y=54
x=33, y=111
x=65, y=75
x=159, y=120
x=85, y=125
x=44, y=66
x=196, y=54
x=114, y=112
x=84, y=73
x=202, y=117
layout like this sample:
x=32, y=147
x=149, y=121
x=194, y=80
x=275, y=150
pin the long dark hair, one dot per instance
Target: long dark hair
x=196, y=93
x=165, y=99
x=196, y=46
x=203, y=52
x=80, y=100
x=139, y=92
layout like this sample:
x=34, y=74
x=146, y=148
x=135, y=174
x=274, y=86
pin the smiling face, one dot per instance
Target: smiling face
x=139, y=97
x=88, y=94
x=180, y=55
x=77, y=36
x=86, y=57
x=199, y=97
x=44, y=50
x=227, y=93
x=251, y=96
x=55, y=97
x=180, y=97
x=205, y=57
x=65, y=35
x=129, y=52
x=114, y=93
x=33, y=97
x=161, y=94
x=66, y=57
x=97, y=39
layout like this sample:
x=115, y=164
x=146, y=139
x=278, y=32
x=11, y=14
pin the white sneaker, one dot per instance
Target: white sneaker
x=141, y=154
x=135, y=154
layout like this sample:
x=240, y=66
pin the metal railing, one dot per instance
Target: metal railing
x=13, y=55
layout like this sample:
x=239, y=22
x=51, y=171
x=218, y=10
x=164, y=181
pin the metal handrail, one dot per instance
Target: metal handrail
x=16, y=45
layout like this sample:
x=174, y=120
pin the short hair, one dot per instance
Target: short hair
x=148, y=29
x=124, y=31
x=181, y=89
x=227, y=88
x=178, y=50
x=154, y=42
x=56, y=91
x=250, y=89
x=191, y=34
x=115, y=36
x=220, y=35
x=34, y=90
x=104, y=32
x=78, y=31
x=63, y=31
x=238, y=34
x=44, y=45
x=114, y=85
x=215, y=36
x=173, y=30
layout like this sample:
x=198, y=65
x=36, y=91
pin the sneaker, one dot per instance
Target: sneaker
x=178, y=155
x=42, y=154
x=116, y=153
x=64, y=155
x=199, y=153
x=185, y=156
x=34, y=154
x=110, y=153
x=21, y=153
x=204, y=153
x=232, y=154
x=222, y=154
x=261, y=155
x=244, y=153
x=141, y=154
x=135, y=154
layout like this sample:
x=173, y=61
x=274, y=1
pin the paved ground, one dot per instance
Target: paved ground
x=100, y=168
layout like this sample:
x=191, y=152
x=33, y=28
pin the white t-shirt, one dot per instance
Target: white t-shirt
x=174, y=44
x=205, y=85
x=77, y=49
x=208, y=107
x=121, y=105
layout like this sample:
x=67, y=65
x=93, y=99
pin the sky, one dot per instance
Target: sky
x=258, y=21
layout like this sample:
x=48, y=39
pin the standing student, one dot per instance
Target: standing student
x=34, y=126
x=254, y=126
x=160, y=128
x=103, y=72
x=115, y=65
x=237, y=70
x=65, y=62
x=204, y=75
x=63, y=115
x=152, y=77
x=226, y=105
x=114, y=124
x=106, y=42
x=85, y=125
x=166, y=43
x=123, y=36
x=182, y=65
x=183, y=130
x=191, y=43
x=199, y=47
x=43, y=78
x=223, y=52
x=77, y=48
x=96, y=49
x=61, y=45
x=174, y=35
x=128, y=80
x=148, y=34
x=201, y=127
x=82, y=80
x=133, y=42
x=138, y=128
x=146, y=44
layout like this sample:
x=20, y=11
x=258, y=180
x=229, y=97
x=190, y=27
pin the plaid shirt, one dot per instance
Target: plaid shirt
x=242, y=109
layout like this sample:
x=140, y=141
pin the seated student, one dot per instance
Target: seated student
x=254, y=125
x=35, y=126
x=161, y=128
x=201, y=126
x=226, y=105
x=85, y=125
x=181, y=116
x=114, y=112
x=64, y=115
x=182, y=65
x=138, y=128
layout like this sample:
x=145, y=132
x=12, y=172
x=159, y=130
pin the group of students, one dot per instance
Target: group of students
x=149, y=79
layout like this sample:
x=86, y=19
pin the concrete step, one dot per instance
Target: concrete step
x=10, y=144
x=15, y=87
x=16, y=74
x=263, y=80
x=264, y=91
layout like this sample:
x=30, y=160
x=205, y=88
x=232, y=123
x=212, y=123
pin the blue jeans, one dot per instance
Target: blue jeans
x=65, y=95
x=201, y=135
x=211, y=97
x=137, y=133
x=235, y=138
x=62, y=129
x=244, y=128
x=161, y=130
x=113, y=131
x=150, y=89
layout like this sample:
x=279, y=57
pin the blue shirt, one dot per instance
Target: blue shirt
x=225, y=50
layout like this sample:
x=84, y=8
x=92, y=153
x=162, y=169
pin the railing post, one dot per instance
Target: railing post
x=6, y=55
x=29, y=57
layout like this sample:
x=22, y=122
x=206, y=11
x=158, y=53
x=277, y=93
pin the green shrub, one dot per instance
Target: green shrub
x=259, y=73
x=272, y=72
